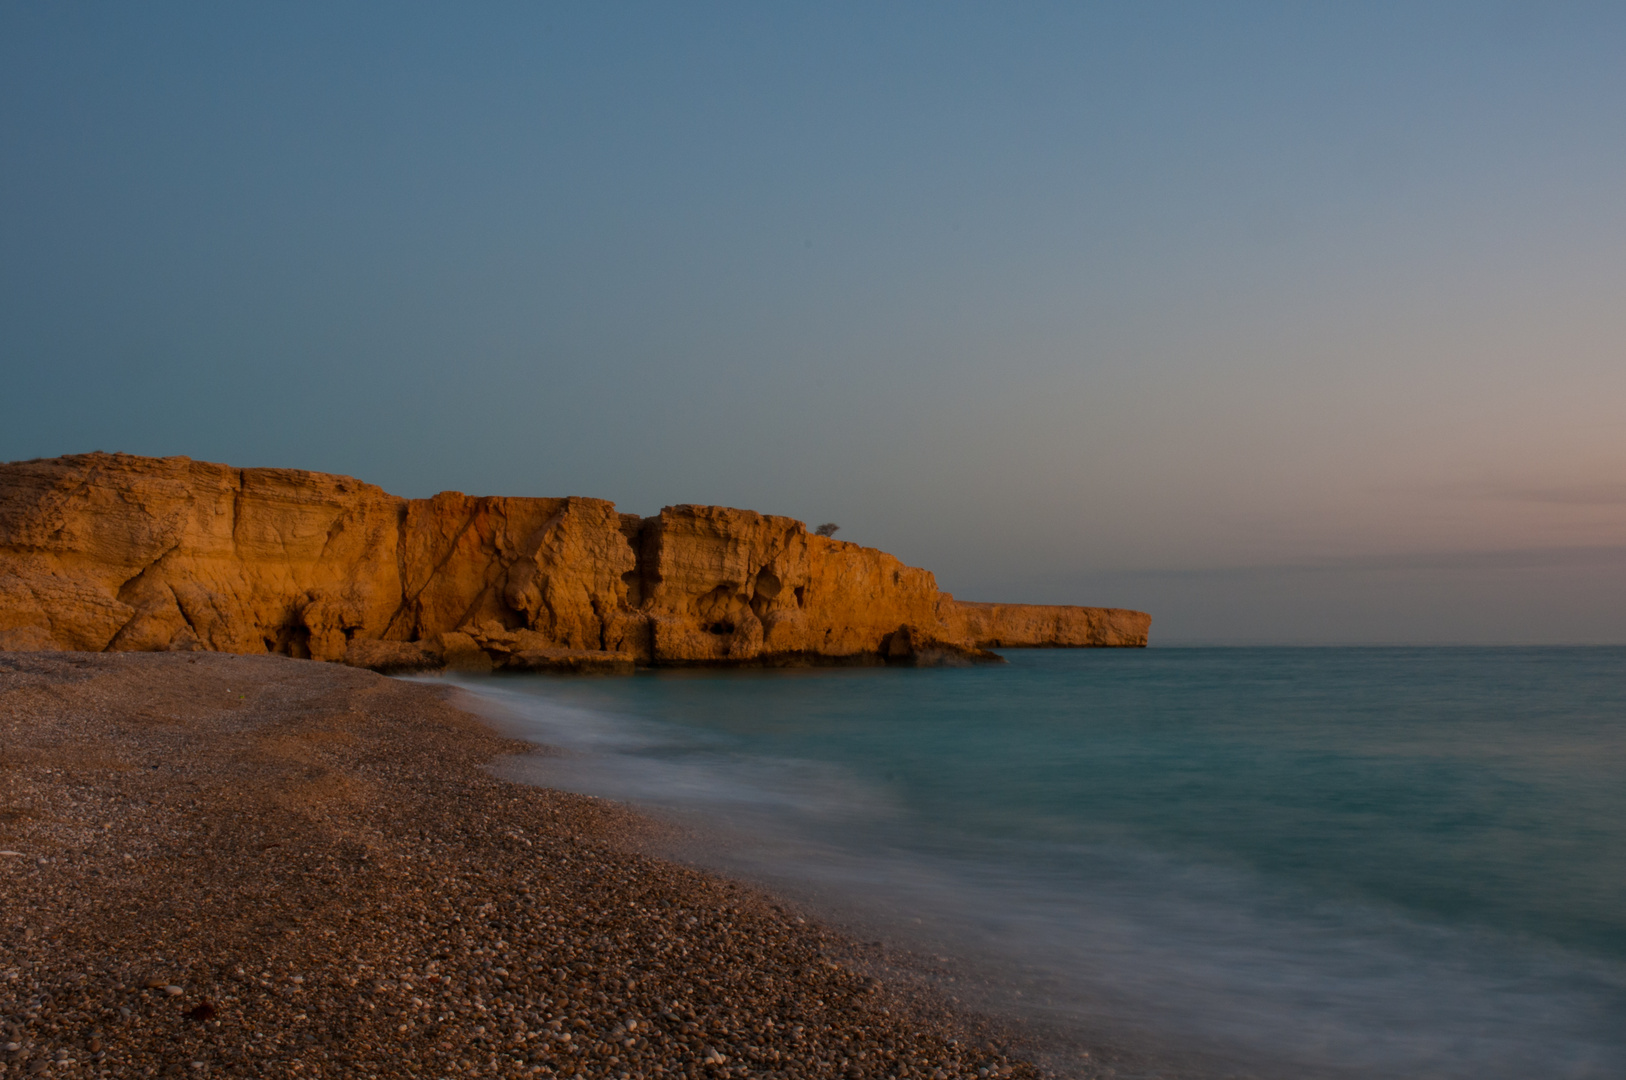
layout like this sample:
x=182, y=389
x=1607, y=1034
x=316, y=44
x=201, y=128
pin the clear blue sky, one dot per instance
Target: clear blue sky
x=1290, y=322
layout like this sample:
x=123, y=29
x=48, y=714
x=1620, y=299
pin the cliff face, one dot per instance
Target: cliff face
x=1040, y=626
x=115, y=552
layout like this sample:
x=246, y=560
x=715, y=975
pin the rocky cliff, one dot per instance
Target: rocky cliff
x=116, y=552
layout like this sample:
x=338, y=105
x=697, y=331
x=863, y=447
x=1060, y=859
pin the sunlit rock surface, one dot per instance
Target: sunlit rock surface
x=124, y=553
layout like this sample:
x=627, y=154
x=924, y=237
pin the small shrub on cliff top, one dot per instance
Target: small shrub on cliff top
x=829, y=528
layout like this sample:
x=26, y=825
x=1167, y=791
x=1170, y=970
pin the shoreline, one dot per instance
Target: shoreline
x=259, y=866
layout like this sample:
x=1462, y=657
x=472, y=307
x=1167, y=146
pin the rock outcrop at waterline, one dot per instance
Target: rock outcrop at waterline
x=123, y=553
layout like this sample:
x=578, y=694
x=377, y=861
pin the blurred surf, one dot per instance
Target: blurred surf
x=1210, y=862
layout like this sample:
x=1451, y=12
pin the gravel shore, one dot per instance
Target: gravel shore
x=257, y=866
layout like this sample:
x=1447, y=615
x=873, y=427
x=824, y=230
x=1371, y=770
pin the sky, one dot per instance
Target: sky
x=1292, y=323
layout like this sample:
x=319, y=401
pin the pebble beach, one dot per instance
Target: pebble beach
x=216, y=865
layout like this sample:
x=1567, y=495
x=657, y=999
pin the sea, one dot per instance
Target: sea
x=1171, y=862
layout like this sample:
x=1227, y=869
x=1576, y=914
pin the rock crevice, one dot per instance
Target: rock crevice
x=123, y=553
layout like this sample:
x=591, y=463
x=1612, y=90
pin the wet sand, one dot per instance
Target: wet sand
x=257, y=866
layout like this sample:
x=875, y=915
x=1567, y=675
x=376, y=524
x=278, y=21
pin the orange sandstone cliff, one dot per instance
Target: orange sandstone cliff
x=117, y=552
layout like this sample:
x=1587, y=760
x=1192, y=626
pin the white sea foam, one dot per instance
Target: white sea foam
x=1177, y=969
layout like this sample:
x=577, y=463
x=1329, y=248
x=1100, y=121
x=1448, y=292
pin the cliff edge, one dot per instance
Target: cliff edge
x=117, y=552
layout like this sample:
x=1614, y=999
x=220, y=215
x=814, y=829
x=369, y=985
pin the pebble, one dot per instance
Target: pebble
x=332, y=870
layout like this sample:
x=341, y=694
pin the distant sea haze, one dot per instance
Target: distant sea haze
x=1335, y=862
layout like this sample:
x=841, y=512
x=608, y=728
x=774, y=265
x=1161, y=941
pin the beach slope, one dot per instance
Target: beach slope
x=260, y=866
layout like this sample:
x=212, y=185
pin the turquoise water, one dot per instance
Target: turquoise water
x=1271, y=862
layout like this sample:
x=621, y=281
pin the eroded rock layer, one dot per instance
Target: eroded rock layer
x=123, y=553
